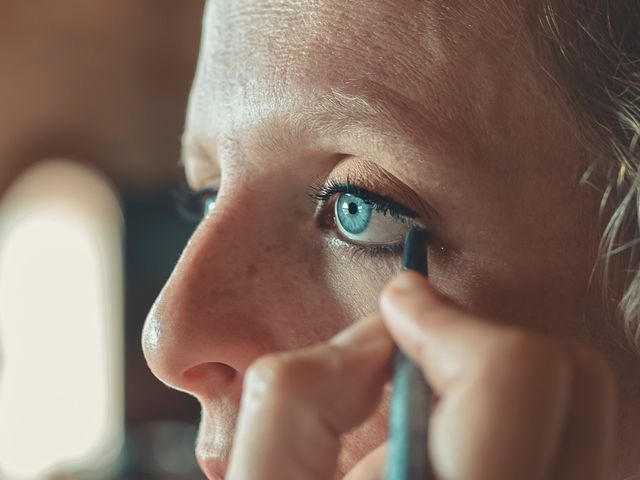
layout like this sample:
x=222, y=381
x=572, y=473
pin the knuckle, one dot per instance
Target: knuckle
x=271, y=376
x=291, y=374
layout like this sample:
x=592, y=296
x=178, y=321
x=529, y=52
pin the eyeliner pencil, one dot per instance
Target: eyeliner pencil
x=407, y=457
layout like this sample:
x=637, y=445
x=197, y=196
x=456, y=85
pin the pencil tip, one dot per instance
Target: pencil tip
x=415, y=251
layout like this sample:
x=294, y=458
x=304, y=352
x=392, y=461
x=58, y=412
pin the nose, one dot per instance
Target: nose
x=212, y=320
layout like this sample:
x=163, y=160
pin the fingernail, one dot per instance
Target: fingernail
x=362, y=333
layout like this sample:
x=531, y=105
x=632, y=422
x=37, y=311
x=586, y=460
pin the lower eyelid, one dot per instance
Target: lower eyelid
x=374, y=252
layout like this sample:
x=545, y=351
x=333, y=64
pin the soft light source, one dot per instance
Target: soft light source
x=60, y=324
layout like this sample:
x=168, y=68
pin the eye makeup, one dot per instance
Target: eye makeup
x=363, y=220
x=384, y=203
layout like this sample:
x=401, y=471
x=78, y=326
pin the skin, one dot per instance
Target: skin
x=444, y=108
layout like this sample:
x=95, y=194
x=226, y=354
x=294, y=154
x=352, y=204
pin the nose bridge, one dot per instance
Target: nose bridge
x=205, y=324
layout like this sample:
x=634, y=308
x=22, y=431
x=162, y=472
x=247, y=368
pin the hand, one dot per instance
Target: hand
x=511, y=404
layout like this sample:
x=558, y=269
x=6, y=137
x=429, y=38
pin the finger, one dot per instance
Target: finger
x=426, y=324
x=448, y=343
x=297, y=404
x=371, y=467
x=504, y=393
x=587, y=444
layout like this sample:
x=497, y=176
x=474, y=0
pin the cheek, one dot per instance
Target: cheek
x=355, y=280
x=309, y=290
x=325, y=288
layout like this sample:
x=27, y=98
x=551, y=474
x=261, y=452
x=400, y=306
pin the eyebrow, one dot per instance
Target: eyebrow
x=357, y=106
x=381, y=109
x=192, y=146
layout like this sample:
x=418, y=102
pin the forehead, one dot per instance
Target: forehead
x=444, y=61
x=315, y=30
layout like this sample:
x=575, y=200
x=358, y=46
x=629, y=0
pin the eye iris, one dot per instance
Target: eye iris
x=353, y=213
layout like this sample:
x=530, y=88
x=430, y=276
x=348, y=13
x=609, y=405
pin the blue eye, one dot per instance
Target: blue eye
x=364, y=222
x=363, y=219
x=353, y=213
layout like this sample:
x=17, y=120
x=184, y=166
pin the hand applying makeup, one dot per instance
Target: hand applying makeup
x=512, y=404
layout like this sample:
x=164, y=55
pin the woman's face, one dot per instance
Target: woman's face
x=422, y=111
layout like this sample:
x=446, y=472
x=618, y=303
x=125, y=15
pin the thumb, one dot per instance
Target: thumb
x=503, y=391
x=413, y=311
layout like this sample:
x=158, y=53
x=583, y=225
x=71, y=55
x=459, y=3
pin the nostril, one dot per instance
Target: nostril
x=209, y=379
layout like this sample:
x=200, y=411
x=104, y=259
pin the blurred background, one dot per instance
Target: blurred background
x=92, y=103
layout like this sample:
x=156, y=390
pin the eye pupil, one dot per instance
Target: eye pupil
x=353, y=208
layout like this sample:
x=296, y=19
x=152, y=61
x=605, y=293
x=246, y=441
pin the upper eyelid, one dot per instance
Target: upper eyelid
x=388, y=201
x=372, y=177
x=323, y=193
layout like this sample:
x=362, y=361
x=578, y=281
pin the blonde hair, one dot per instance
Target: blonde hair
x=593, y=50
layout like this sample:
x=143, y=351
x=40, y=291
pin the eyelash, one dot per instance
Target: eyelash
x=189, y=206
x=382, y=203
x=323, y=194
